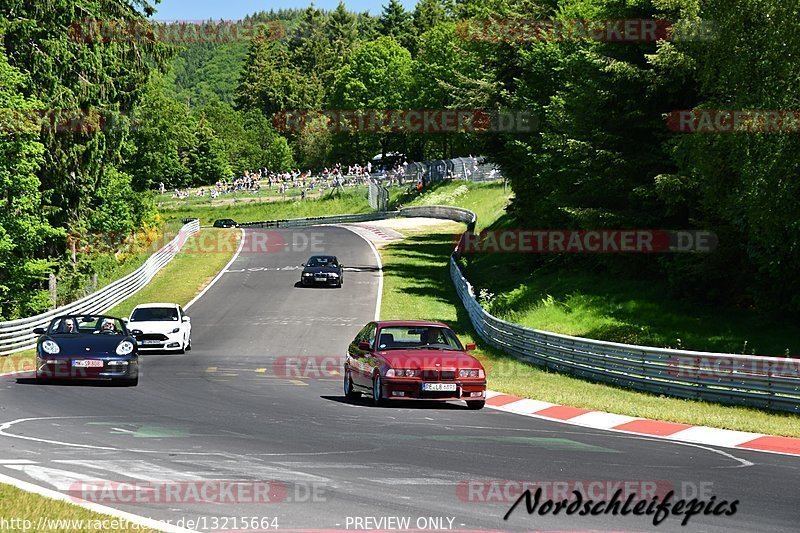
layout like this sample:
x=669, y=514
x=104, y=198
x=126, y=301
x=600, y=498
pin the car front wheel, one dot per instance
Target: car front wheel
x=377, y=392
x=349, y=392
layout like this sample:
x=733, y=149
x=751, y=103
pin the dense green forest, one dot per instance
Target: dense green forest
x=602, y=154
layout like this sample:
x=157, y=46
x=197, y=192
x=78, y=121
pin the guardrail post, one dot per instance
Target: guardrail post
x=52, y=286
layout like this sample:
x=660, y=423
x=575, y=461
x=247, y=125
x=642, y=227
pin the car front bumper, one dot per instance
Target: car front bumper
x=65, y=369
x=411, y=389
x=308, y=281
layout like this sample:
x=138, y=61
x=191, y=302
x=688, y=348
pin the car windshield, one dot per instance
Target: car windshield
x=321, y=261
x=155, y=314
x=418, y=337
x=86, y=325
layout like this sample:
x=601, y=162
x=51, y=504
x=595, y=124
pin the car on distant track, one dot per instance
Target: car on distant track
x=225, y=223
x=95, y=347
x=322, y=270
x=161, y=326
x=413, y=360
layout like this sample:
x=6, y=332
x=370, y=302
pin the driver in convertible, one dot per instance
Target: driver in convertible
x=107, y=326
x=67, y=326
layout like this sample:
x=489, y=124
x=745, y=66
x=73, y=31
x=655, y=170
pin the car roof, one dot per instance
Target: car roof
x=412, y=323
x=322, y=256
x=150, y=305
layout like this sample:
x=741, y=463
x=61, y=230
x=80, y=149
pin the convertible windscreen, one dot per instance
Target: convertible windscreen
x=86, y=325
x=428, y=337
x=155, y=314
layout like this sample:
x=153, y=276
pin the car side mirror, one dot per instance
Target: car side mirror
x=186, y=319
x=39, y=331
x=471, y=347
x=364, y=345
x=125, y=320
x=302, y=264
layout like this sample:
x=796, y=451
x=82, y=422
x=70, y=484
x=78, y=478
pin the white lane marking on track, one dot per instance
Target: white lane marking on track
x=220, y=273
x=135, y=469
x=380, y=269
x=412, y=481
x=17, y=462
x=743, y=463
x=258, y=468
x=55, y=495
x=60, y=479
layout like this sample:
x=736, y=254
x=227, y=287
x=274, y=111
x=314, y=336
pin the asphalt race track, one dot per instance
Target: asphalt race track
x=236, y=407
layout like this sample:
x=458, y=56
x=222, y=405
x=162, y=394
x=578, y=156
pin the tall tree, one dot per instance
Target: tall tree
x=23, y=229
x=427, y=14
x=396, y=22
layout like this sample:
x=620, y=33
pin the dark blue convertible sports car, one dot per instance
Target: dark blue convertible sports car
x=87, y=347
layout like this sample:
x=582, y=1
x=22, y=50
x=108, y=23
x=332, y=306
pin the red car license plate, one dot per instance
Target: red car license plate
x=439, y=387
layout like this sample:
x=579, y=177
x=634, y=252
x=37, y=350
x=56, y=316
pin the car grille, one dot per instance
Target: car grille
x=448, y=375
x=430, y=375
x=151, y=337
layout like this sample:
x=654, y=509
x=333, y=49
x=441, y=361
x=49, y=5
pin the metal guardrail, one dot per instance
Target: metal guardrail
x=315, y=221
x=17, y=335
x=753, y=381
x=428, y=172
x=378, y=195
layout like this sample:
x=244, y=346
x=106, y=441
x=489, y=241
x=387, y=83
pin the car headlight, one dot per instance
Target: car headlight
x=401, y=373
x=470, y=373
x=333, y=275
x=176, y=330
x=307, y=274
x=124, y=348
x=50, y=347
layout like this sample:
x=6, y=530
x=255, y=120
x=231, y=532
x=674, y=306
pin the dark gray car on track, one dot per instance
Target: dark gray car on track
x=322, y=270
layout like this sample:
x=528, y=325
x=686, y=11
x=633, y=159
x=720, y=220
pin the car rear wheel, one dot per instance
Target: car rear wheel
x=377, y=392
x=474, y=405
x=349, y=392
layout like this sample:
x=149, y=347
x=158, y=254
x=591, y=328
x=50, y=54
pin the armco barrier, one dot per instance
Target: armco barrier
x=755, y=381
x=316, y=221
x=17, y=335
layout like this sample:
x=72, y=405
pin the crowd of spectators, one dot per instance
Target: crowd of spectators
x=300, y=182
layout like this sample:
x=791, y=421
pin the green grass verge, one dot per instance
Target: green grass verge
x=21, y=506
x=186, y=275
x=351, y=200
x=417, y=286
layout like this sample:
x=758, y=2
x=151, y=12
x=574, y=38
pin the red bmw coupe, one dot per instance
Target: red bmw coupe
x=411, y=360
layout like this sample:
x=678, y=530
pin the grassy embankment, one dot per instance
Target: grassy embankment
x=331, y=202
x=417, y=285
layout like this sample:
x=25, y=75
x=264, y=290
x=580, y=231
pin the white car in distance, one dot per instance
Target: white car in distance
x=161, y=327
